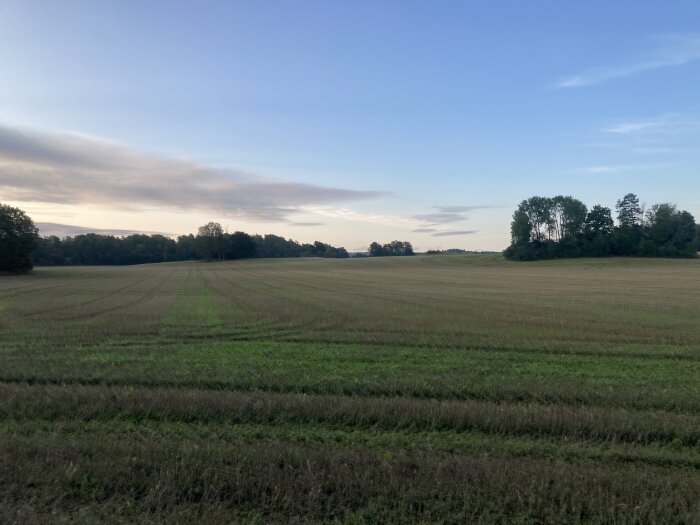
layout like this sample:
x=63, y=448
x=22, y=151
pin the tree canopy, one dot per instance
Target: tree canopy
x=546, y=228
x=18, y=237
x=210, y=243
x=392, y=248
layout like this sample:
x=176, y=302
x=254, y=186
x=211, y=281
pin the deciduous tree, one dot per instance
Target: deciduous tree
x=18, y=238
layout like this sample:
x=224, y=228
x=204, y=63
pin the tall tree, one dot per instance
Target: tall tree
x=568, y=216
x=539, y=212
x=18, y=238
x=629, y=212
x=520, y=227
x=210, y=241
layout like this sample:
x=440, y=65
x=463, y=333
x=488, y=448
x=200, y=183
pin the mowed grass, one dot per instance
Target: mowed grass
x=449, y=389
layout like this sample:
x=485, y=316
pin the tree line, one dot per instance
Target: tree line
x=211, y=243
x=562, y=226
x=393, y=248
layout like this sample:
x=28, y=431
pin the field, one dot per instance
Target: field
x=449, y=389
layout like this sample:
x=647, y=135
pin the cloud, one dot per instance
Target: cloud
x=396, y=221
x=439, y=218
x=617, y=168
x=447, y=214
x=662, y=135
x=668, y=124
x=421, y=223
x=72, y=168
x=461, y=209
x=305, y=223
x=451, y=233
x=47, y=229
x=673, y=50
x=603, y=168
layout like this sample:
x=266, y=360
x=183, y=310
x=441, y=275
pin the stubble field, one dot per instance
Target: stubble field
x=449, y=389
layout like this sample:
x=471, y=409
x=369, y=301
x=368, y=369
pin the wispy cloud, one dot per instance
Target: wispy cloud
x=47, y=229
x=668, y=124
x=439, y=218
x=427, y=223
x=461, y=209
x=672, y=50
x=448, y=214
x=604, y=168
x=78, y=169
x=456, y=232
x=383, y=219
x=650, y=136
x=618, y=168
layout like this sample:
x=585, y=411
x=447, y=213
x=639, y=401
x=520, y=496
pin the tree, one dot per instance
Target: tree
x=186, y=248
x=392, y=248
x=571, y=214
x=520, y=227
x=375, y=250
x=238, y=245
x=599, y=220
x=49, y=251
x=629, y=213
x=670, y=232
x=210, y=241
x=539, y=212
x=18, y=238
x=567, y=229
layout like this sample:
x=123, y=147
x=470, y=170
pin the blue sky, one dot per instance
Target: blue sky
x=346, y=122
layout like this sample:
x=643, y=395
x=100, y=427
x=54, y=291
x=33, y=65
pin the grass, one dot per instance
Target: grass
x=444, y=389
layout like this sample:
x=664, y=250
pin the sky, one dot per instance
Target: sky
x=345, y=122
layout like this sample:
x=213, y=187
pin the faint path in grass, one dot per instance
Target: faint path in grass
x=194, y=308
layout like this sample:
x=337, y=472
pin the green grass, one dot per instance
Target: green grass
x=428, y=389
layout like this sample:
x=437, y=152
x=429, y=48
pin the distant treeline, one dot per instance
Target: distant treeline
x=392, y=248
x=549, y=228
x=210, y=243
x=458, y=251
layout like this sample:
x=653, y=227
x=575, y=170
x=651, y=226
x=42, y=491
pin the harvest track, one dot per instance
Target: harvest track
x=439, y=389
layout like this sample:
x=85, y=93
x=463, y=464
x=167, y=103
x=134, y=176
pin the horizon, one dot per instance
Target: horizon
x=343, y=123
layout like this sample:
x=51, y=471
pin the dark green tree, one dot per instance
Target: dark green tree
x=375, y=250
x=186, y=248
x=238, y=245
x=393, y=248
x=599, y=221
x=18, y=238
x=567, y=229
x=629, y=212
x=568, y=216
x=670, y=232
x=539, y=212
x=210, y=241
x=520, y=227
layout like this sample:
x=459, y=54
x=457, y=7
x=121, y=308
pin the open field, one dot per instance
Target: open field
x=454, y=389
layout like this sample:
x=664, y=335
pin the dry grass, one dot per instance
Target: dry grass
x=444, y=389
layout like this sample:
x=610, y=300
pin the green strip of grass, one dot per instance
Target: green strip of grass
x=388, y=442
